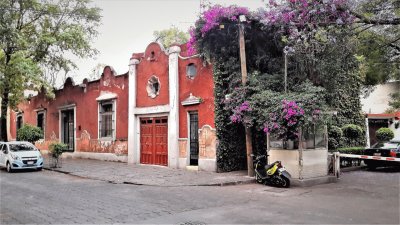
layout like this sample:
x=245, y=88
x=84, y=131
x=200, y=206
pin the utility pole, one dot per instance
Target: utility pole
x=249, y=145
x=287, y=50
x=285, y=72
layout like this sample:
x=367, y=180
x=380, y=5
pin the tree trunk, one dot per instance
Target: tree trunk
x=4, y=106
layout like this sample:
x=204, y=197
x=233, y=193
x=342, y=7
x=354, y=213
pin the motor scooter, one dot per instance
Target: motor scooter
x=272, y=174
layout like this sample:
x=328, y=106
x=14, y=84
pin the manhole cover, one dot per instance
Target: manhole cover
x=275, y=190
x=193, y=223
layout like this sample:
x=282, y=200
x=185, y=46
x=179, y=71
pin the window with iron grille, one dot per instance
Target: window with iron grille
x=106, y=119
x=20, y=121
x=40, y=120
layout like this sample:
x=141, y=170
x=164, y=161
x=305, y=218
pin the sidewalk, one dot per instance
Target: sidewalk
x=123, y=173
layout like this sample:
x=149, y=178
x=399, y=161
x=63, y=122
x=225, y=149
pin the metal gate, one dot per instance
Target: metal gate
x=68, y=129
x=194, y=138
x=154, y=141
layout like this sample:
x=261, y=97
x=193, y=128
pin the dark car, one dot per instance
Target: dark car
x=383, y=149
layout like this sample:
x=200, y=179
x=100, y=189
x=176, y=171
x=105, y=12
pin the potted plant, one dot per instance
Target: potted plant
x=56, y=150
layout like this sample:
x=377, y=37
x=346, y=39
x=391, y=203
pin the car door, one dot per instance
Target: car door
x=2, y=155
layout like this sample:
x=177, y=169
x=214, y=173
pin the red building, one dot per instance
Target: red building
x=161, y=112
x=90, y=118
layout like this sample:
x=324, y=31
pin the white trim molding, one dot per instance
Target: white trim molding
x=132, y=122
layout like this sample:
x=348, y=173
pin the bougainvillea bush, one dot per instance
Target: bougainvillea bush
x=322, y=71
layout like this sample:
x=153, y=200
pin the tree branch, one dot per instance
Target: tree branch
x=364, y=19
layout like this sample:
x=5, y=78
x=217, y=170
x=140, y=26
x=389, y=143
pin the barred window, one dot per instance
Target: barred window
x=106, y=119
x=40, y=120
x=20, y=121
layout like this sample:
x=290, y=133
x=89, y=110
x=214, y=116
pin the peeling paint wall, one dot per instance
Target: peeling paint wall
x=84, y=98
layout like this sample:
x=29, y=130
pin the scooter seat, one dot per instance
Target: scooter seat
x=267, y=167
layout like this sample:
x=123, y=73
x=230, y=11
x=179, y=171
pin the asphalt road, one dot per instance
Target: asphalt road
x=360, y=197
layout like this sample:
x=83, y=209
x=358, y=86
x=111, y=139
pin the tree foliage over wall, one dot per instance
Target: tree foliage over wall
x=171, y=36
x=35, y=37
x=323, y=72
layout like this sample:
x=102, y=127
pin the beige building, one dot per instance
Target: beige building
x=375, y=105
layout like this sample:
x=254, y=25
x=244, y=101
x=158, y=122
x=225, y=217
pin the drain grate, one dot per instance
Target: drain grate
x=193, y=223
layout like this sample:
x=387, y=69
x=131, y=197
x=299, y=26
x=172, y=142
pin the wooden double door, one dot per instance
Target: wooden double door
x=154, y=141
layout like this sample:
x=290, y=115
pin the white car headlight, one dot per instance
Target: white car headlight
x=15, y=157
x=40, y=157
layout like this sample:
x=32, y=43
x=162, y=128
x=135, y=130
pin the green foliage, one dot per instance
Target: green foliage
x=323, y=73
x=231, y=148
x=36, y=38
x=394, y=102
x=56, y=149
x=29, y=133
x=335, y=135
x=352, y=150
x=376, y=37
x=384, y=134
x=353, y=135
x=171, y=36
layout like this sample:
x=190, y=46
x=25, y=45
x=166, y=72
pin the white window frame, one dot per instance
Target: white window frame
x=114, y=120
x=44, y=121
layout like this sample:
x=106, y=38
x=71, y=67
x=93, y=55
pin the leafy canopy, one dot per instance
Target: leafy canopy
x=171, y=36
x=36, y=36
x=39, y=34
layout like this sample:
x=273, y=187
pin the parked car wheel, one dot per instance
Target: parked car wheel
x=9, y=169
x=371, y=166
x=39, y=169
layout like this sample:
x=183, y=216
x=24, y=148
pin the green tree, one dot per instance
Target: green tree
x=171, y=36
x=394, y=102
x=35, y=36
x=377, y=32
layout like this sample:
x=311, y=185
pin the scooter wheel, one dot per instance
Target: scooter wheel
x=285, y=182
x=259, y=179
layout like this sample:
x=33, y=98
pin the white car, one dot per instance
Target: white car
x=17, y=155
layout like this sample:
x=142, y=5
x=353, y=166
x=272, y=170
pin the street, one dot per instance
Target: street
x=46, y=197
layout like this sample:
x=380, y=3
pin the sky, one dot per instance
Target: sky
x=128, y=25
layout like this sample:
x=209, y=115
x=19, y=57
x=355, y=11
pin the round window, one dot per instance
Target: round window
x=153, y=87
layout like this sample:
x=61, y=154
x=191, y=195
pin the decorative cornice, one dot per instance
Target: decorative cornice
x=191, y=100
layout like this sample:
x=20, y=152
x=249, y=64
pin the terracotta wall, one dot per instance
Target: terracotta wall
x=84, y=98
x=201, y=86
x=155, y=64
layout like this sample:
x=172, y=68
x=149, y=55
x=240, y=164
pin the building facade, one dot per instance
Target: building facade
x=374, y=107
x=171, y=110
x=90, y=117
x=161, y=113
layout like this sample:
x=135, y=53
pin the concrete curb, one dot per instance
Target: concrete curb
x=221, y=184
x=353, y=168
x=314, y=181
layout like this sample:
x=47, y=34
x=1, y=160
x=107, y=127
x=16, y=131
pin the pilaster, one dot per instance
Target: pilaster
x=173, y=120
x=133, y=153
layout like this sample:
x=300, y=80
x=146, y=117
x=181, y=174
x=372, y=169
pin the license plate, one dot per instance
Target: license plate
x=30, y=162
x=377, y=153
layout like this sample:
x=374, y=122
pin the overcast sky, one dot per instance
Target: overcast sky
x=128, y=26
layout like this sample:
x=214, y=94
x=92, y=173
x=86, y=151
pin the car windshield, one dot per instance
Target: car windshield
x=21, y=147
x=386, y=145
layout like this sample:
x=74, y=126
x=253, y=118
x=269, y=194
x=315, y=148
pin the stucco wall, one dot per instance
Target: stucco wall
x=152, y=66
x=83, y=98
x=378, y=100
x=314, y=163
